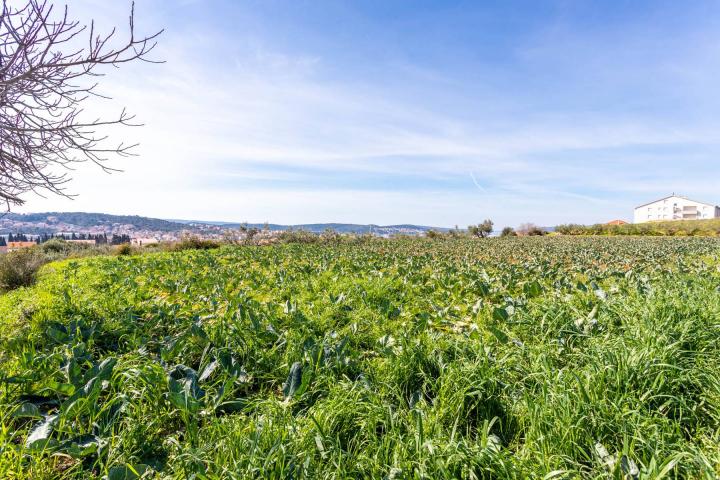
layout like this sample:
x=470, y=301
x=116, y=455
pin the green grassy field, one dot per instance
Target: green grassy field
x=406, y=359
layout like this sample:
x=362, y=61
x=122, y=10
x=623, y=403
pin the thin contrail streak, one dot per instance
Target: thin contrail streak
x=476, y=183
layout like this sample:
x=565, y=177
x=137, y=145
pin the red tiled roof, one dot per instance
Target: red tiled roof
x=21, y=244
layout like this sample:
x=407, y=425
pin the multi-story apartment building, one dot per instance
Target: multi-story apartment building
x=675, y=207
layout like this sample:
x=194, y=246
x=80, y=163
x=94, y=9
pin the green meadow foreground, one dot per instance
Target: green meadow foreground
x=404, y=359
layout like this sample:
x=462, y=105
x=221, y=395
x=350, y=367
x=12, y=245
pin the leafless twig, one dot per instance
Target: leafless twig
x=44, y=84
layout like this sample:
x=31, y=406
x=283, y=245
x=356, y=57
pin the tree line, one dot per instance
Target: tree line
x=99, y=239
x=485, y=229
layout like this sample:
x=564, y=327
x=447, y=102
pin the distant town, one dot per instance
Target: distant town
x=23, y=230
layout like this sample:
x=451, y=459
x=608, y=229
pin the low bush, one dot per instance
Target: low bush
x=123, y=249
x=530, y=230
x=299, y=236
x=57, y=248
x=330, y=236
x=20, y=268
x=536, y=232
x=194, y=243
x=434, y=234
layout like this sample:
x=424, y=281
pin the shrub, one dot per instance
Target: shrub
x=572, y=229
x=123, y=249
x=55, y=246
x=331, y=236
x=530, y=230
x=195, y=243
x=508, y=232
x=19, y=268
x=298, y=236
x=58, y=248
x=656, y=229
x=363, y=239
x=434, y=234
x=525, y=229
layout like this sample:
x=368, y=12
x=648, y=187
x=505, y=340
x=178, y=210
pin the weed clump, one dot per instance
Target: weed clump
x=123, y=249
x=20, y=268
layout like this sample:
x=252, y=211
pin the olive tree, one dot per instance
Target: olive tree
x=481, y=230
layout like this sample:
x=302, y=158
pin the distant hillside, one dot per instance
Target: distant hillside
x=82, y=222
x=321, y=227
x=53, y=222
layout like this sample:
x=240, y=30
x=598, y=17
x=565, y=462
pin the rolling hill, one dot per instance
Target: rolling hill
x=82, y=222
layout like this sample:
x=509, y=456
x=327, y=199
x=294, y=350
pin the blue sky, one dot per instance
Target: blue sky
x=438, y=113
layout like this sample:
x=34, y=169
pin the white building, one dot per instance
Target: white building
x=141, y=242
x=675, y=207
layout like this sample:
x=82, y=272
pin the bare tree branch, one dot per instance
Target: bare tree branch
x=44, y=75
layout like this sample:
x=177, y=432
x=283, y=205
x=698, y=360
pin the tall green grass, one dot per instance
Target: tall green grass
x=503, y=358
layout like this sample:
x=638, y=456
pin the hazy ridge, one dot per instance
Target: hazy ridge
x=84, y=222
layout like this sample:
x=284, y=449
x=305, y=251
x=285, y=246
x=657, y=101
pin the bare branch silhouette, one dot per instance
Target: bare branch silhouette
x=45, y=81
